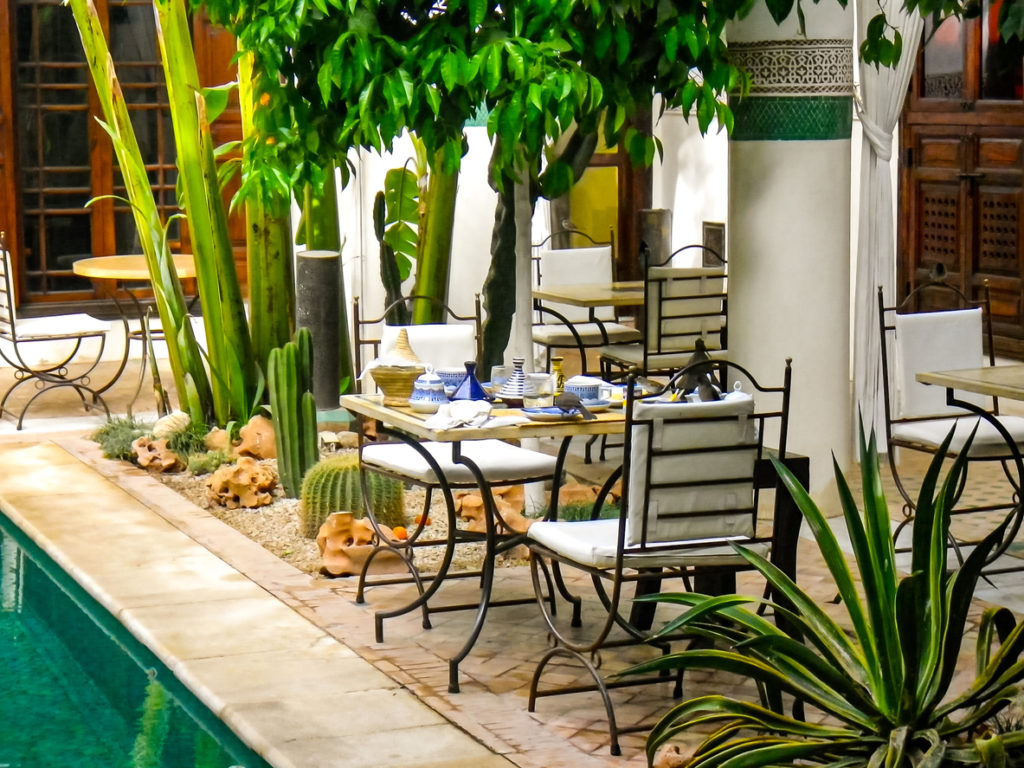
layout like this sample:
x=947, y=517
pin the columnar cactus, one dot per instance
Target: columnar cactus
x=293, y=409
x=332, y=485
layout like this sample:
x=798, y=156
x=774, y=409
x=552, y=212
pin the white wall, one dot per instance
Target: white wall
x=474, y=218
x=693, y=179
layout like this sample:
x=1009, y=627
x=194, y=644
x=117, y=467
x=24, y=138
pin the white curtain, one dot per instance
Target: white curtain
x=879, y=103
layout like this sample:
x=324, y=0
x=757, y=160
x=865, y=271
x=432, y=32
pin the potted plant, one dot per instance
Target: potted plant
x=885, y=686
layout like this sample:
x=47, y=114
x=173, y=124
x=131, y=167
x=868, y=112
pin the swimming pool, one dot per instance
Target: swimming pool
x=77, y=689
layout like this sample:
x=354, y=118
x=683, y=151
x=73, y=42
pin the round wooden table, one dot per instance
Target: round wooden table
x=126, y=269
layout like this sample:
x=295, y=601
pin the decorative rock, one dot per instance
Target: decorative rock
x=338, y=441
x=257, y=439
x=218, y=439
x=244, y=484
x=348, y=440
x=509, y=502
x=176, y=421
x=346, y=543
x=154, y=454
x=575, y=494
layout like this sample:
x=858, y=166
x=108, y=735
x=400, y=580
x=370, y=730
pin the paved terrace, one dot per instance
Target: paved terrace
x=289, y=661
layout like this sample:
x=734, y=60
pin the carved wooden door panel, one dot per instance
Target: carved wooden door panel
x=962, y=170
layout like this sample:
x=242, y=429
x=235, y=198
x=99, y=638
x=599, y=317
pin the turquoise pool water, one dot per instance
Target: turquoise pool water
x=77, y=689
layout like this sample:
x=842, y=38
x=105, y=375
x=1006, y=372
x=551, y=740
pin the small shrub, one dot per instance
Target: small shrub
x=207, y=462
x=189, y=441
x=576, y=512
x=116, y=437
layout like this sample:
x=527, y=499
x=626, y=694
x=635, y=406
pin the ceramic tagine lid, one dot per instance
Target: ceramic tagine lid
x=470, y=388
x=511, y=391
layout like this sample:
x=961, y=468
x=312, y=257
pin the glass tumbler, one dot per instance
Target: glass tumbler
x=538, y=392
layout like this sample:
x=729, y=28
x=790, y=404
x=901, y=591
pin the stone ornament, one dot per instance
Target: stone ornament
x=176, y=421
x=345, y=543
x=257, y=439
x=509, y=500
x=246, y=483
x=154, y=454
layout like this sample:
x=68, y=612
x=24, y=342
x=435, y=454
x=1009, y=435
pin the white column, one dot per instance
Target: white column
x=789, y=221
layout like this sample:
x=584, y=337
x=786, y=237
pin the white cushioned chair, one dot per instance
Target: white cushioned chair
x=563, y=326
x=690, y=491
x=681, y=305
x=66, y=334
x=917, y=416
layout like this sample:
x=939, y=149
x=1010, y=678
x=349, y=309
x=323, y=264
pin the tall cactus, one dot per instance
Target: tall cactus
x=293, y=409
x=333, y=486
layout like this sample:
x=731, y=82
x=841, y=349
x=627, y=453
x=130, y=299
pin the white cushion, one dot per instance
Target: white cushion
x=633, y=354
x=704, y=509
x=935, y=341
x=441, y=345
x=499, y=461
x=572, y=266
x=59, y=325
x=988, y=441
x=593, y=542
x=684, y=304
x=557, y=335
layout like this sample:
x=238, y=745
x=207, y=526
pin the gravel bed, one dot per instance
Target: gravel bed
x=276, y=526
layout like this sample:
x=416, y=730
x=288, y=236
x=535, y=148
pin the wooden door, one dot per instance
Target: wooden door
x=54, y=155
x=962, y=170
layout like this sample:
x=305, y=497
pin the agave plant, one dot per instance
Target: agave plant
x=885, y=686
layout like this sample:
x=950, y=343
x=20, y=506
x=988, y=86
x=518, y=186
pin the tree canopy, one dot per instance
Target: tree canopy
x=332, y=75
x=338, y=74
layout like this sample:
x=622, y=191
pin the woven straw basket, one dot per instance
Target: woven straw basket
x=396, y=382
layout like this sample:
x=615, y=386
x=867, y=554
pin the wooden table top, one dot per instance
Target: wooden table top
x=609, y=422
x=993, y=380
x=624, y=294
x=129, y=267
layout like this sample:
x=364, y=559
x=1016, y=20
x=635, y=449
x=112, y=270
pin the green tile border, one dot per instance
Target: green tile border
x=792, y=118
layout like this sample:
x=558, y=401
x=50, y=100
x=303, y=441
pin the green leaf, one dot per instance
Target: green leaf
x=217, y=99
x=477, y=12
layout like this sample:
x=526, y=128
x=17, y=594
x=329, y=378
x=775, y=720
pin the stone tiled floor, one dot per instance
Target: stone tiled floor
x=491, y=708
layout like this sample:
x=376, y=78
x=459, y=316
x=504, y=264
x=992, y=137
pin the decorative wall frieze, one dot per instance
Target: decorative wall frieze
x=800, y=67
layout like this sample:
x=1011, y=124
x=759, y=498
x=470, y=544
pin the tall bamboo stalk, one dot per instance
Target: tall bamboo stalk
x=433, y=260
x=268, y=240
x=227, y=332
x=183, y=351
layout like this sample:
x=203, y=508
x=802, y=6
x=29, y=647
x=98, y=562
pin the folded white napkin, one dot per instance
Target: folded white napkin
x=460, y=413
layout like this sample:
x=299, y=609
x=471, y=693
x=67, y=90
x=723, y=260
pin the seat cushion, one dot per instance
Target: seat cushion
x=59, y=325
x=987, y=442
x=593, y=543
x=627, y=355
x=557, y=335
x=499, y=461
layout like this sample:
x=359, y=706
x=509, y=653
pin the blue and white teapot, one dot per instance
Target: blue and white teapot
x=427, y=393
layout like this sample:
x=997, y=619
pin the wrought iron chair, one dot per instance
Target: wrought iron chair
x=447, y=344
x=681, y=305
x=690, y=490
x=918, y=417
x=433, y=467
x=60, y=331
x=562, y=326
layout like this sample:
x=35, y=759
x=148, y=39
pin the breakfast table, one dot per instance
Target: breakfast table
x=402, y=423
x=995, y=381
x=591, y=296
x=128, y=271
